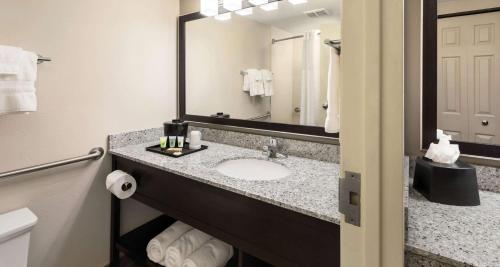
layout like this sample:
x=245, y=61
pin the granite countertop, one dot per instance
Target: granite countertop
x=448, y=234
x=311, y=189
x=457, y=236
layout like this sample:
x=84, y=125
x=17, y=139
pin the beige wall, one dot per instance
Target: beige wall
x=189, y=6
x=412, y=76
x=113, y=70
x=216, y=53
x=454, y=6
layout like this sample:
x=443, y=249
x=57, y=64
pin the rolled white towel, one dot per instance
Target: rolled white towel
x=214, y=253
x=157, y=246
x=184, y=246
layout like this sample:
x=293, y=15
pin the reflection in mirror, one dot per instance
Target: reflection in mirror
x=468, y=70
x=274, y=65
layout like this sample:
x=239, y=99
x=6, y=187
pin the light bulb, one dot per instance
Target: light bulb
x=223, y=17
x=232, y=5
x=258, y=2
x=209, y=7
x=245, y=12
x=270, y=6
x=297, y=2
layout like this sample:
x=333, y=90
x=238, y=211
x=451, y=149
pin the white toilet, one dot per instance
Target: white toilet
x=15, y=227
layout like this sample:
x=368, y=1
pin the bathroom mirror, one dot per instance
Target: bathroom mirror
x=461, y=74
x=267, y=67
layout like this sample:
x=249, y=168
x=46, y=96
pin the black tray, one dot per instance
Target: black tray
x=185, y=150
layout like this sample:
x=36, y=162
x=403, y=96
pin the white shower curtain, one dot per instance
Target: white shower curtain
x=310, y=88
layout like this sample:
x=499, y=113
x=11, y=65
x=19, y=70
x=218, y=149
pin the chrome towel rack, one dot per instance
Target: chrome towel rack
x=42, y=59
x=94, y=154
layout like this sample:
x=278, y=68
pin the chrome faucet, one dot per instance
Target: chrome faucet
x=272, y=150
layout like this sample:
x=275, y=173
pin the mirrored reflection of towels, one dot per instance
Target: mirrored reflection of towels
x=17, y=92
x=267, y=79
x=252, y=82
x=332, y=122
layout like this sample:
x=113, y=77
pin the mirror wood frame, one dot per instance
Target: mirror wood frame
x=272, y=126
x=429, y=81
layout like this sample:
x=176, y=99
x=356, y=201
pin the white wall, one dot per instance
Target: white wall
x=216, y=53
x=113, y=70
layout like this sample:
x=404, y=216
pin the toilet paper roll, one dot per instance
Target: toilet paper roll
x=121, y=184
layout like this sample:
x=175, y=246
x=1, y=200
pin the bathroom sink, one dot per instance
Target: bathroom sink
x=253, y=169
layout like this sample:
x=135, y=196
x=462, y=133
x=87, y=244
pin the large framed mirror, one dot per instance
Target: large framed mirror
x=271, y=67
x=461, y=74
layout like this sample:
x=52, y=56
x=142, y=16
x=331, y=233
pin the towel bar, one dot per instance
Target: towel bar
x=42, y=59
x=94, y=154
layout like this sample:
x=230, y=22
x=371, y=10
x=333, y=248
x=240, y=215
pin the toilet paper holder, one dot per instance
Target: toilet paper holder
x=126, y=186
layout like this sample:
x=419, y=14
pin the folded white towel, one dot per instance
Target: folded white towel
x=214, y=253
x=267, y=79
x=253, y=83
x=157, y=247
x=9, y=59
x=184, y=246
x=17, y=92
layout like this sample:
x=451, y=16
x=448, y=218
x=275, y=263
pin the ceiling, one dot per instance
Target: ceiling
x=292, y=18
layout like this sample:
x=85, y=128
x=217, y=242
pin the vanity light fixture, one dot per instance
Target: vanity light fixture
x=223, y=17
x=209, y=7
x=245, y=11
x=258, y=2
x=297, y=2
x=270, y=7
x=232, y=5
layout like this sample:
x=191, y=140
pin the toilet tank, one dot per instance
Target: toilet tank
x=15, y=227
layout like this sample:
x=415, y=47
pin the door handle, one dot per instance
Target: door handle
x=485, y=123
x=297, y=109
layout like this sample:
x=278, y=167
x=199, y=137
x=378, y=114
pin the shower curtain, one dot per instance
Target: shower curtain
x=310, y=87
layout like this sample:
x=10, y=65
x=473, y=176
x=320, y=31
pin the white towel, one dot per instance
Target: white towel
x=252, y=82
x=332, y=122
x=9, y=59
x=184, y=246
x=17, y=92
x=214, y=253
x=267, y=79
x=157, y=247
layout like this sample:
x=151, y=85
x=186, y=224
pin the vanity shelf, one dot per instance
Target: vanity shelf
x=273, y=234
x=133, y=244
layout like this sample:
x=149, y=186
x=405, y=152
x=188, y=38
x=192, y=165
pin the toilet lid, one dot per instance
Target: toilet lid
x=16, y=222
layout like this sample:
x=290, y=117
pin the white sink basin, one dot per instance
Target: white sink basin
x=253, y=169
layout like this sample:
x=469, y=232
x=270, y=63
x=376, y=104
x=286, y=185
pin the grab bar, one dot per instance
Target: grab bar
x=268, y=114
x=94, y=154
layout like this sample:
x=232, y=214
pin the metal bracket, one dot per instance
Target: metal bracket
x=350, y=197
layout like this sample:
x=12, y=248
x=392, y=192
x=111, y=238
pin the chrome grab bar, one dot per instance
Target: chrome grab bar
x=94, y=154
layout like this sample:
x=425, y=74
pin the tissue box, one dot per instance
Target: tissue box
x=451, y=184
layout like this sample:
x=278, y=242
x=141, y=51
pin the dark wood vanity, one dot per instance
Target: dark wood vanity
x=262, y=234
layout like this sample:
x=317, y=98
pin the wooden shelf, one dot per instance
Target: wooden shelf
x=133, y=244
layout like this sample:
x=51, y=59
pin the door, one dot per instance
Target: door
x=372, y=130
x=468, y=82
x=484, y=81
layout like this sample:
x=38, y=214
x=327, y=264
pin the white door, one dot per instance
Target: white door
x=468, y=77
